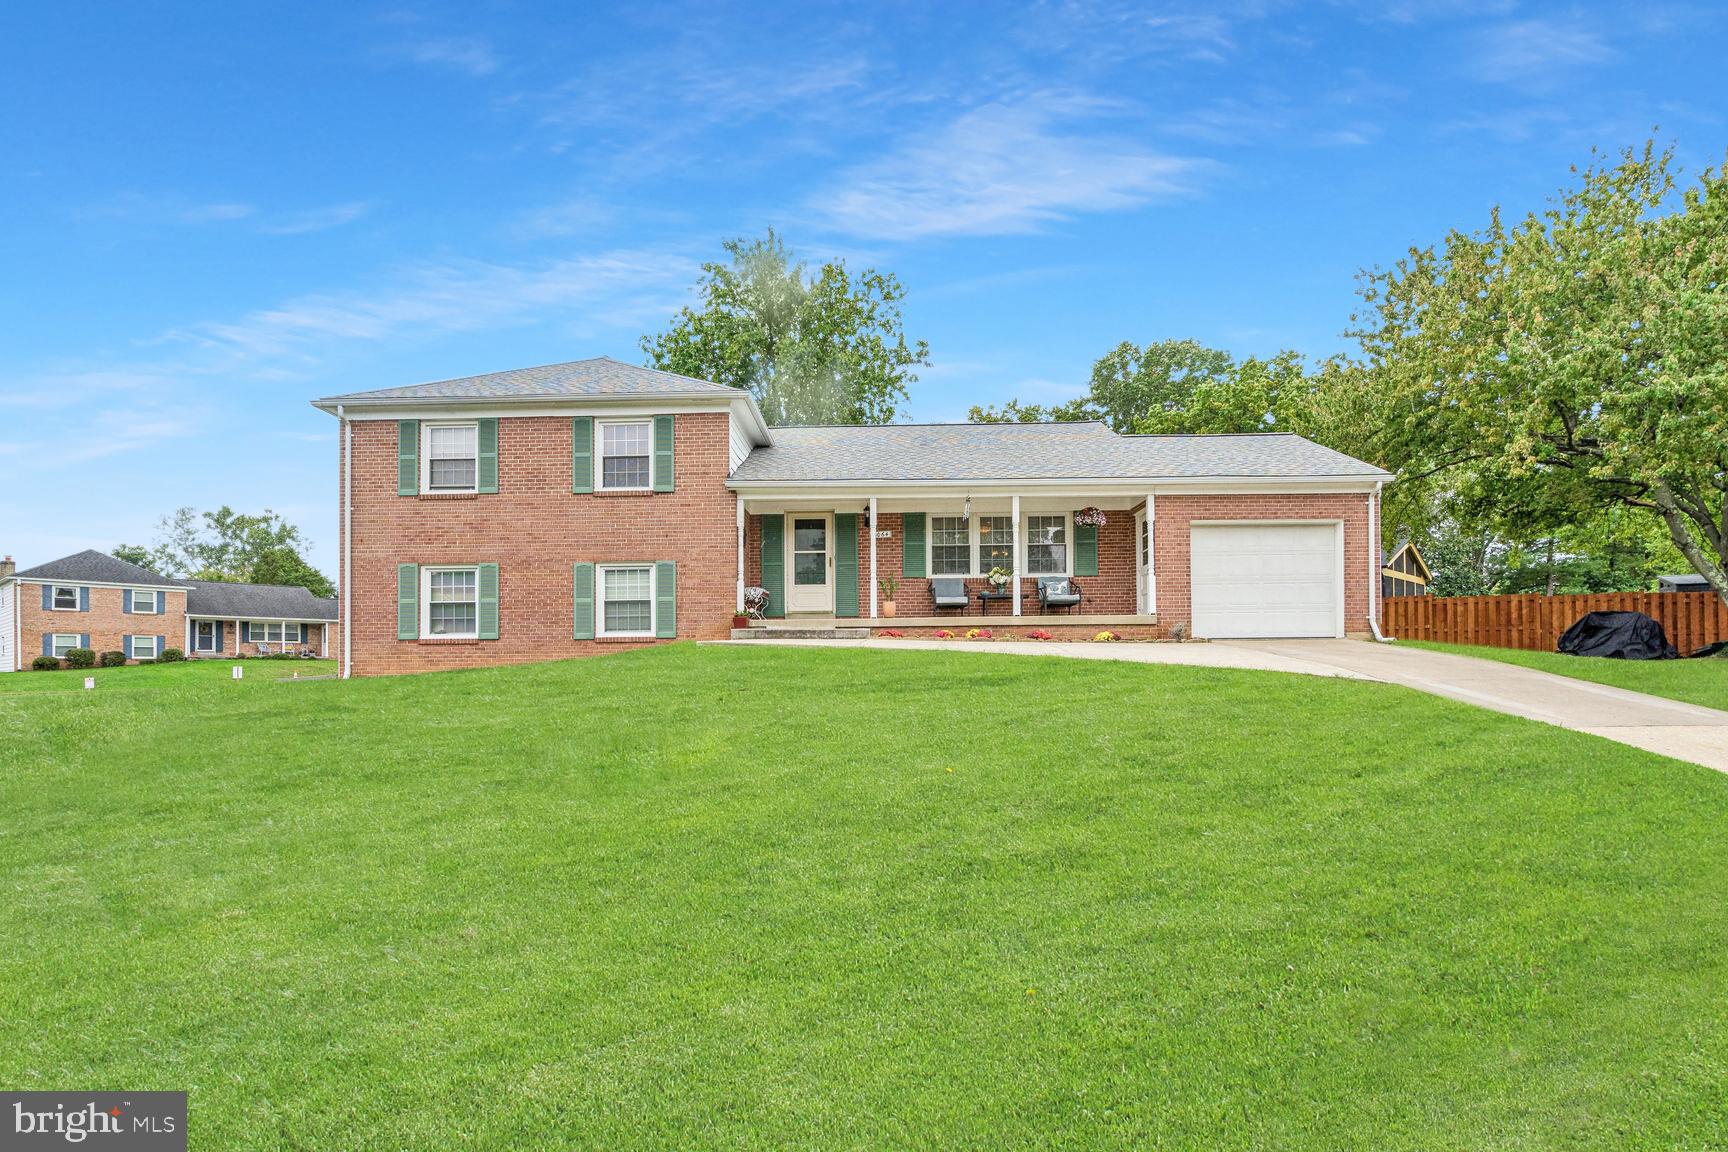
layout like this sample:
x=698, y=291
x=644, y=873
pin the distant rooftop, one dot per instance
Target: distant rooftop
x=1027, y=452
x=93, y=567
x=255, y=601
x=599, y=377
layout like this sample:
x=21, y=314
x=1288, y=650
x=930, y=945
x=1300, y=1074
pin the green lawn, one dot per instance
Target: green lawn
x=1694, y=681
x=720, y=897
x=160, y=676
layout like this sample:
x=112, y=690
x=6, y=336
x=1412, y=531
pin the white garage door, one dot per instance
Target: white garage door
x=1254, y=580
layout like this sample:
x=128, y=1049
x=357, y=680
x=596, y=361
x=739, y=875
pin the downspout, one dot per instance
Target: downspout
x=1374, y=565
x=347, y=563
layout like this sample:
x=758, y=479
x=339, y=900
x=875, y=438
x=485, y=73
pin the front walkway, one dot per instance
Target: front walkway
x=1667, y=727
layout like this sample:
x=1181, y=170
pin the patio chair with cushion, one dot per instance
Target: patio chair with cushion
x=1058, y=592
x=948, y=592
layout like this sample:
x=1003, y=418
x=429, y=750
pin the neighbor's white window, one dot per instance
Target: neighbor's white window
x=142, y=603
x=627, y=600
x=62, y=643
x=625, y=461
x=451, y=602
x=65, y=598
x=260, y=632
x=995, y=543
x=451, y=457
x=144, y=648
x=950, y=546
x=1047, y=545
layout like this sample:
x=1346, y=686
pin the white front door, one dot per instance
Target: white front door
x=810, y=562
x=1267, y=580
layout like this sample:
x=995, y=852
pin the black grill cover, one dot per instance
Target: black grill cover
x=1618, y=636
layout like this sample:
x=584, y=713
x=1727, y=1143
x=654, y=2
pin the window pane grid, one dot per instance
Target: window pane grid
x=624, y=452
x=451, y=454
x=627, y=595
x=950, y=547
x=452, y=602
x=995, y=543
x=1047, y=545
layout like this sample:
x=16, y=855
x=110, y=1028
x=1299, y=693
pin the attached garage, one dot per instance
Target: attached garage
x=1259, y=580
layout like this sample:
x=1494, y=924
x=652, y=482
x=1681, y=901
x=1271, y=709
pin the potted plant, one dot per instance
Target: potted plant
x=999, y=577
x=889, y=585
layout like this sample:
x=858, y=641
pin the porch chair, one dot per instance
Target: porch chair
x=949, y=592
x=1058, y=592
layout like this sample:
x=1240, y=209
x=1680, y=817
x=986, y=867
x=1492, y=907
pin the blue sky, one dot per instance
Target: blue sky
x=213, y=213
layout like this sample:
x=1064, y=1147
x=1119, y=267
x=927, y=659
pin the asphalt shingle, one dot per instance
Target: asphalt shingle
x=93, y=567
x=1076, y=451
x=255, y=601
x=599, y=377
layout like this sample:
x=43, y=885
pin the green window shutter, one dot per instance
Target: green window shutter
x=846, y=564
x=1085, y=549
x=666, y=599
x=774, y=564
x=487, y=464
x=584, y=627
x=662, y=453
x=407, y=458
x=407, y=602
x=488, y=606
x=582, y=457
x=912, y=544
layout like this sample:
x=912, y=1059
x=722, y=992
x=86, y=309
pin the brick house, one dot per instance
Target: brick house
x=577, y=508
x=93, y=600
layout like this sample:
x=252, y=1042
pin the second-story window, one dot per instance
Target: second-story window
x=452, y=452
x=65, y=598
x=624, y=454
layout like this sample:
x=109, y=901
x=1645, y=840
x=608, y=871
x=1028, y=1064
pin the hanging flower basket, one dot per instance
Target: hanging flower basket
x=1092, y=516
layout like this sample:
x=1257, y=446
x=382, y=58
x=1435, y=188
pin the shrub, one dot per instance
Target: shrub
x=111, y=659
x=171, y=656
x=44, y=664
x=1105, y=637
x=1039, y=634
x=81, y=658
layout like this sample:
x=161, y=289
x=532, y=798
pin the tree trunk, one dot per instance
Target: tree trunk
x=1550, y=565
x=1702, y=562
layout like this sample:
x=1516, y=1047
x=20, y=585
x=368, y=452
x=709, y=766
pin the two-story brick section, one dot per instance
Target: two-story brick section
x=578, y=508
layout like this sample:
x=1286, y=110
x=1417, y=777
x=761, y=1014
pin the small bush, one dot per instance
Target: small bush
x=890, y=634
x=1039, y=634
x=1105, y=637
x=977, y=633
x=170, y=656
x=44, y=664
x=111, y=659
x=944, y=634
x=81, y=658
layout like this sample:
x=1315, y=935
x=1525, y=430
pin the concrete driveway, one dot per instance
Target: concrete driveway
x=1656, y=724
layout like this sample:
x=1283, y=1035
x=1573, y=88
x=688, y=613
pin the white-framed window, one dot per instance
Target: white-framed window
x=264, y=632
x=450, y=602
x=61, y=643
x=625, y=461
x=64, y=598
x=144, y=648
x=141, y=603
x=973, y=547
x=626, y=599
x=450, y=459
x=1047, y=545
x=950, y=546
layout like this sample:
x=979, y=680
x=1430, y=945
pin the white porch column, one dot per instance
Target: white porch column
x=872, y=557
x=1151, y=556
x=1016, y=562
x=739, y=606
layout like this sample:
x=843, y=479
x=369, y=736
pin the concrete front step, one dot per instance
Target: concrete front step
x=796, y=633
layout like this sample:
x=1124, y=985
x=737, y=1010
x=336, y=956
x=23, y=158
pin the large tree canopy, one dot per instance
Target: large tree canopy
x=226, y=545
x=823, y=349
x=1577, y=360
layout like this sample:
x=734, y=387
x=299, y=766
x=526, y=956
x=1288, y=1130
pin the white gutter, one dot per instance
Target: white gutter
x=346, y=563
x=1358, y=482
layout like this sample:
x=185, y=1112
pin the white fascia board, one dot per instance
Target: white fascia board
x=1112, y=486
x=66, y=582
x=475, y=408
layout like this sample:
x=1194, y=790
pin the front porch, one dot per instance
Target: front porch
x=836, y=561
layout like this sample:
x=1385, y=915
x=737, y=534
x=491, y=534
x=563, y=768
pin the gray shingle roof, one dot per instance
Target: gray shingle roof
x=600, y=377
x=1030, y=452
x=255, y=601
x=93, y=567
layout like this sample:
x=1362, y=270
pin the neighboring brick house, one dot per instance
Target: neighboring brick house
x=93, y=600
x=577, y=508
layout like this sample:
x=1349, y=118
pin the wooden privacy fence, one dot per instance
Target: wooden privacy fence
x=1691, y=619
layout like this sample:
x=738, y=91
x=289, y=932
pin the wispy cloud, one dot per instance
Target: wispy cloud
x=1536, y=51
x=1003, y=168
x=314, y=219
x=159, y=209
x=207, y=213
x=471, y=55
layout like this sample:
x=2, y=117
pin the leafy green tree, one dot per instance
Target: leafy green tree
x=828, y=348
x=132, y=554
x=283, y=565
x=1582, y=352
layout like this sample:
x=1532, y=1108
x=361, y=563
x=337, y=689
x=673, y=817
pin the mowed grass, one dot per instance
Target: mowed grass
x=1703, y=681
x=721, y=897
x=163, y=676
